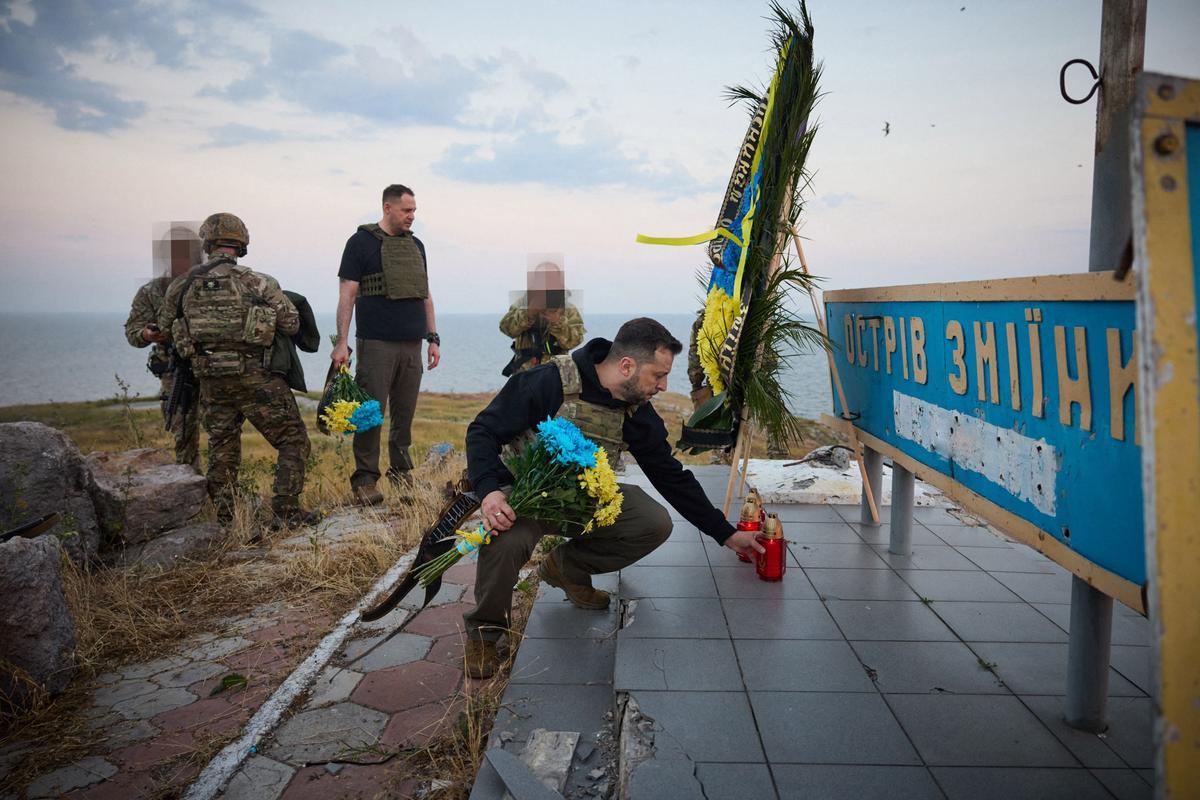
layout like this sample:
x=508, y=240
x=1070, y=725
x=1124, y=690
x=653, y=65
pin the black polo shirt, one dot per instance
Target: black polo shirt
x=379, y=317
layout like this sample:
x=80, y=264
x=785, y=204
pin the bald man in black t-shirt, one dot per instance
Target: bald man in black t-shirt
x=384, y=277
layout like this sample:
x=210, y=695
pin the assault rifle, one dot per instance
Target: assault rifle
x=183, y=387
x=543, y=345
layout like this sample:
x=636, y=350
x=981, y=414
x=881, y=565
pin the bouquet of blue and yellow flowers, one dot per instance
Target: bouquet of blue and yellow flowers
x=559, y=476
x=350, y=409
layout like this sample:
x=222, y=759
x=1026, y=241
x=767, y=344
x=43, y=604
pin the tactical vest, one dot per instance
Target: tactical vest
x=403, y=276
x=601, y=424
x=228, y=324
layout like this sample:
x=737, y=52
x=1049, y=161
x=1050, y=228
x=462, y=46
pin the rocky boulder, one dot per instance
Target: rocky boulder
x=37, y=635
x=140, y=493
x=171, y=547
x=42, y=471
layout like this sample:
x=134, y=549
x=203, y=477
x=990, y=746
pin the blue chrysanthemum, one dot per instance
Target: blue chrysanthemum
x=566, y=443
x=368, y=415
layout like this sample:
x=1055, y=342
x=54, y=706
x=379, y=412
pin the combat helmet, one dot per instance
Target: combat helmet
x=224, y=230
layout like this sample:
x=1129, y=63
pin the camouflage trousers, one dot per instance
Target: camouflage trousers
x=186, y=429
x=265, y=400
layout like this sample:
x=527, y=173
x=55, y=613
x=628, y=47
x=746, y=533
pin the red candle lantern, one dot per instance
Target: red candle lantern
x=772, y=563
x=749, y=520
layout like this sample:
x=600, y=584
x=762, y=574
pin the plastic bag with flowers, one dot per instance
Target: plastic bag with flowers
x=350, y=409
x=559, y=476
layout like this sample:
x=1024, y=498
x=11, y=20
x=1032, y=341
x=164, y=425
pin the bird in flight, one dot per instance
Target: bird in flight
x=887, y=128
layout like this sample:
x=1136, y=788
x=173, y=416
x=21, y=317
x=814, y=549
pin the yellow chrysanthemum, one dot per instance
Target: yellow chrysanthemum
x=720, y=310
x=337, y=416
x=600, y=482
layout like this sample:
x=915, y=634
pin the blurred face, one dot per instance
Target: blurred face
x=400, y=213
x=643, y=381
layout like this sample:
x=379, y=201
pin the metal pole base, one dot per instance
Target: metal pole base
x=873, y=463
x=1088, y=656
x=900, y=541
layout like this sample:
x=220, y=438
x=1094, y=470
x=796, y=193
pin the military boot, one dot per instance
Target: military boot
x=287, y=513
x=480, y=658
x=581, y=595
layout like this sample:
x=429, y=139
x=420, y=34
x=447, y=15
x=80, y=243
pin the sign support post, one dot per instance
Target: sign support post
x=1122, y=45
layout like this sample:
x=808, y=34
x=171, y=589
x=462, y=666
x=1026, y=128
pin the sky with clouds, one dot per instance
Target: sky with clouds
x=534, y=127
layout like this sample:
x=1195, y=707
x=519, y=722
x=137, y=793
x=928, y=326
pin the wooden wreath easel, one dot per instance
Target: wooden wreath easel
x=741, y=448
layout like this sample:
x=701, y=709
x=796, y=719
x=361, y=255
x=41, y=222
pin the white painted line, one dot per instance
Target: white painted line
x=1025, y=468
x=223, y=766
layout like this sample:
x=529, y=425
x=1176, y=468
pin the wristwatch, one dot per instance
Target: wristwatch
x=433, y=338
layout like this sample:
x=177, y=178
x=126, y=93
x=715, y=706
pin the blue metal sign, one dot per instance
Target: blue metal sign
x=1020, y=391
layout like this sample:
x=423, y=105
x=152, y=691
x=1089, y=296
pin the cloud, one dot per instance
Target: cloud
x=234, y=134
x=324, y=77
x=540, y=156
x=35, y=57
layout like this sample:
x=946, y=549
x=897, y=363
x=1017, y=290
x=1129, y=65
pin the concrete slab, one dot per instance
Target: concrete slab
x=676, y=664
x=855, y=782
x=1015, y=558
x=927, y=556
x=830, y=728
x=743, y=581
x=882, y=534
x=1037, y=587
x=149, y=705
x=961, y=536
x=1127, y=629
x=260, y=778
x=187, y=675
x=403, y=648
x=779, y=618
x=564, y=708
x=565, y=621
x=687, y=721
x=662, y=777
x=667, y=582
x=926, y=668
x=995, y=783
x=792, y=665
x=859, y=584
x=1041, y=668
x=998, y=622
x=1091, y=750
x=736, y=781
x=673, y=617
x=976, y=586
x=946, y=731
x=835, y=556
x=677, y=554
x=326, y=733
x=333, y=685
x=82, y=773
x=576, y=661
x=1135, y=664
x=888, y=620
x=1125, y=784
x=821, y=533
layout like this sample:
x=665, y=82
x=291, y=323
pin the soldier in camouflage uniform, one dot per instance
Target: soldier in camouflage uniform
x=541, y=323
x=142, y=330
x=224, y=317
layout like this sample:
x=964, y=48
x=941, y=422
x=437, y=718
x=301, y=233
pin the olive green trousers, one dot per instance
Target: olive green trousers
x=641, y=527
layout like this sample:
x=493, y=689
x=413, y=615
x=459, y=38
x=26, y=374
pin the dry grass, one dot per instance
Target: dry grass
x=455, y=756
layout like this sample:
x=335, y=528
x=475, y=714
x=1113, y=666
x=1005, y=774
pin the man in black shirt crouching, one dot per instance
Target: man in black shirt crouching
x=604, y=388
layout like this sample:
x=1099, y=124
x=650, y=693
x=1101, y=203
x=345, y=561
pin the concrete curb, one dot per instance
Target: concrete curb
x=220, y=770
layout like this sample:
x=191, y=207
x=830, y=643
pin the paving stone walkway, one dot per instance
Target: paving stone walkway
x=377, y=696
x=861, y=675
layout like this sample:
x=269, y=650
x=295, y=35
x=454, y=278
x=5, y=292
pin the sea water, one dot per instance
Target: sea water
x=53, y=357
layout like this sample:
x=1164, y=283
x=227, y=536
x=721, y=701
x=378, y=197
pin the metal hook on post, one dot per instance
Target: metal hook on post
x=1062, y=81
